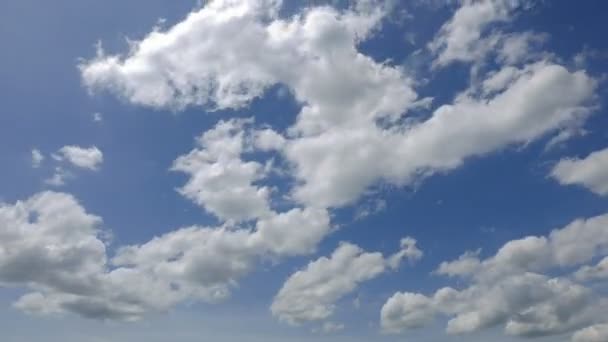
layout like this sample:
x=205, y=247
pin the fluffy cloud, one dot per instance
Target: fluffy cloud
x=50, y=241
x=471, y=126
x=310, y=294
x=460, y=39
x=87, y=158
x=220, y=180
x=352, y=132
x=350, y=102
x=589, y=172
x=258, y=50
x=509, y=289
x=50, y=245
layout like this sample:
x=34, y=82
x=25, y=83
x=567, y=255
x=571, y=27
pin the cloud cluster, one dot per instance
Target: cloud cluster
x=353, y=132
x=513, y=288
x=69, y=157
x=349, y=101
x=52, y=246
x=311, y=294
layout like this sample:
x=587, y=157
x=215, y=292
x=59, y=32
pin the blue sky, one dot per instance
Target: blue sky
x=342, y=171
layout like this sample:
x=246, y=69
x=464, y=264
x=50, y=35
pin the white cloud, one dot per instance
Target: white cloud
x=406, y=311
x=596, y=272
x=87, y=158
x=37, y=158
x=349, y=134
x=220, y=180
x=266, y=50
x=268, y=140
x=361, y=155
x=311, y=294
x=510, y=288
x=59, y=177
x=460, y=39
x=50, y=245
x=595, y=333
x=589, y=172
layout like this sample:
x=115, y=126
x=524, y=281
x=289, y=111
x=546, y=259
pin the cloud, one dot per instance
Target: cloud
x=589, y=172
x=265, y=51
x=87, y=158
x=510, y=288
x=97, y=117
x=37, y=158
x=310, y=295
x=52, y=246
x=460, y=39
x=595, y=333
x=596, y=272
x=59, y=177
x=269, y=140
x=362, y=155
x=352, y=133
x=349, y=134
x=220, y=180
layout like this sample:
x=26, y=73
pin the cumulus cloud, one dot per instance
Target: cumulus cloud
x=349, y=134
x=52, y=246
x=360, y=156
x=83, y=157
x=589, y=172
x=511, y=289
x=310, y=295
x=460, y=39
x=220, y=180
x=258, y=50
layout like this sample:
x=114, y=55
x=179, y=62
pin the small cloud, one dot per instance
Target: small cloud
x=37, y=158
x=97, y=117
x=86, y=158
x=59, y=177
x=329, y=328
x=370, y=208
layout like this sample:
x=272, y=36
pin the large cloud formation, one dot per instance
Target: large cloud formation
x=51, y=245
x=513, y=288
x=353, y=131
x=349, y=101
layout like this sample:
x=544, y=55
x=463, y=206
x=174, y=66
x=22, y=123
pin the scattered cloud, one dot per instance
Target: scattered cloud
x=97, y=117
x=87, y=158
x=589, y=172
x=59, y=177
x=53, y=247
x=512, y=289
x=310, y=295
x=37, y=158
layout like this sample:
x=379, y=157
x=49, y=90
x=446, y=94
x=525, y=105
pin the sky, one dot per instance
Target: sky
x=272, y=170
